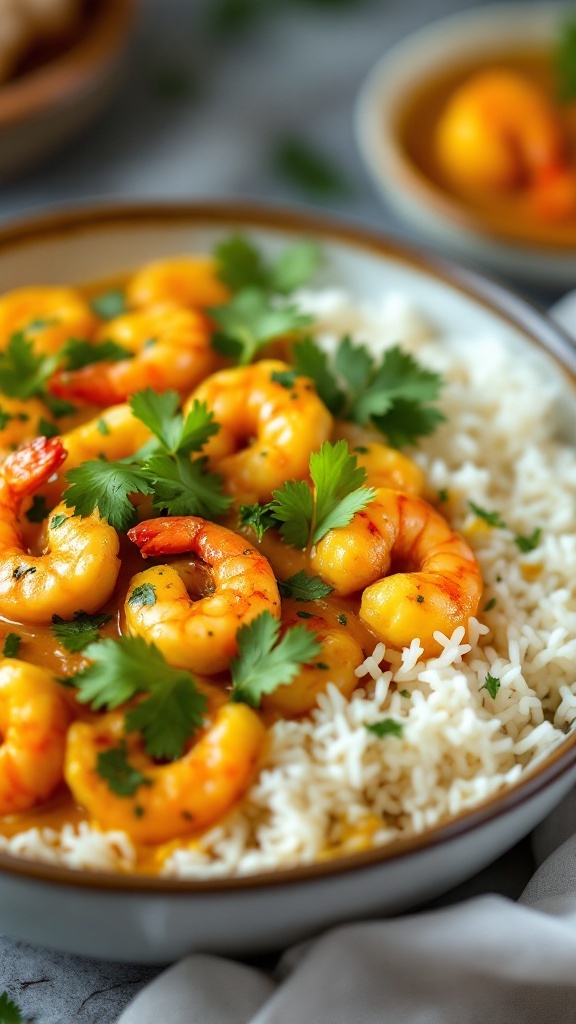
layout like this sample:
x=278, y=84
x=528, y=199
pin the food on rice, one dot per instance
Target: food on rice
x=319, y=720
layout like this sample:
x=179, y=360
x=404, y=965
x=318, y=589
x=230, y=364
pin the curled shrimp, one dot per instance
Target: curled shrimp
x=20, y=421
x=500, y=132
x=340, y=656
x=34, y=717
x=385, y=467
x=439, y=584
x=170, y=346
x=190, y=281
x=78, y=566
x=199, y=635
x=47, y=316
x=267, y=431
x=183, y=796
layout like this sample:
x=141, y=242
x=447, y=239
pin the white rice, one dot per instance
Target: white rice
x=328, y=785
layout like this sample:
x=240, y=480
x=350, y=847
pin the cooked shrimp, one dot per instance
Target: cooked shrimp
x=184, y=280
x=34, y=716
x=78, y=567
x=177, y=798
x=499, y=131
x=439, y=585
x=171, y=348
x=340, y=656
x=280, y=426
x=385, y=467
x=199, y=635
x=48, y=316
x=20, y=421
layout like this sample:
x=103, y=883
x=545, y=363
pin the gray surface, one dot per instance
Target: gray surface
x=296, y=73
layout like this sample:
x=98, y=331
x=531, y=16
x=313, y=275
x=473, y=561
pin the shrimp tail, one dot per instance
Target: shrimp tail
x=91, y=384
x=31, y=465
x=170, y=535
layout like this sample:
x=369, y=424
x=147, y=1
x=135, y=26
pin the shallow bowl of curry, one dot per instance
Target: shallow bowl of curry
x=138, y=914
x=401, y=106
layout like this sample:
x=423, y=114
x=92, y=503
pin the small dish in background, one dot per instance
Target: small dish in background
x=419, y=74
x=60, y=88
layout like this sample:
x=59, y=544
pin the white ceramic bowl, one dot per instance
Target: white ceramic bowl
x=483, y=32
x=155, y=920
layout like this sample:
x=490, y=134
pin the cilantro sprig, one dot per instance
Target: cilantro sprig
x=524, y=543
x=79, y=632
x=395, y=394
x=252, y=319
x=265, y=661
x=173, y=708
x=24, y=373
x=241, y=265
x=164, y=468
x=303, y=587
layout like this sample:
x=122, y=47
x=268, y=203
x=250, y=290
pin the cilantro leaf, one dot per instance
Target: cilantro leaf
x=386, y=727
x=529, y=543
x=106, y=486
x=75, y=635
x=159, y=412
x=566, y=60
x=168, y=717
x=491, y=518
x=311, y=361
x=58, y=406
x=183, y=487
x=143, y=595
x=265, y=662
x=38, y=510
x=113, y=766
x=110, y=304
x=250, y=320
x=339, y=493
x=123, y=668
x=309, y=170
x=492, y=684
x=303, y=587
x=24, y=373
x=9, y=1012
x=241, y=265
x=11, y=647
x=259, y=517
x=77, y=354
x=293, y=507
x=391, y=395
x=286, y=378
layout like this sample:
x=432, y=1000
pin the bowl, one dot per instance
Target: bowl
x=490, y=32
x=153, y=919
x=45, y=107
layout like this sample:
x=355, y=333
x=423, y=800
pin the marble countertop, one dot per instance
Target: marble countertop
x=198, y=116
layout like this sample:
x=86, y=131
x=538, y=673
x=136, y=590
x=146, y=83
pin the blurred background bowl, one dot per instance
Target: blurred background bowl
x=489, y=32
x=57, y=96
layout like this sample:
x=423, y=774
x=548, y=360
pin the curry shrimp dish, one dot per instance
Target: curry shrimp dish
x=283, y=575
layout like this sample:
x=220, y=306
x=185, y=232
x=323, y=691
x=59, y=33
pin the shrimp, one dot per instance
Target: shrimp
x=281, y=426
x=34, y=717
x=47, y=316
x=341, y=654
x=78, y=566
x=171, y=349
x=184, y=280
x=385, y=467
x=500, y=132
x=199, y=635
x=439, y=585
x=174, y=799
x=20, y=421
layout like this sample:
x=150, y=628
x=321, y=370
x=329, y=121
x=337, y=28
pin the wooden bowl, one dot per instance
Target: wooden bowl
x=45, y=106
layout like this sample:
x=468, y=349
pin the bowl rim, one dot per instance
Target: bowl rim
x=73, y=71
x=391, y=169
x=510, y=307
